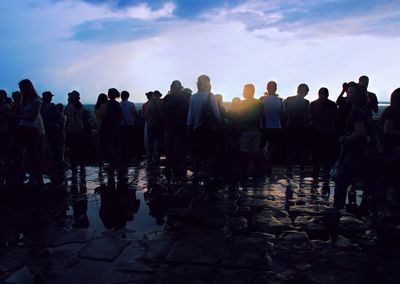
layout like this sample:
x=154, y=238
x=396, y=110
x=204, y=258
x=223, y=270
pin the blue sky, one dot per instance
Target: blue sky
x=134, y=45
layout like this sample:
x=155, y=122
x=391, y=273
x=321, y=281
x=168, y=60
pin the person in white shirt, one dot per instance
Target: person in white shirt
x=128, y=137
x=271, y=129
x=202, y=121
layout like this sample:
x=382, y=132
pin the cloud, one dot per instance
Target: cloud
x=317, y=18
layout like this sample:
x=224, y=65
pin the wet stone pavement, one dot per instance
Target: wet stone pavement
x=141, y=226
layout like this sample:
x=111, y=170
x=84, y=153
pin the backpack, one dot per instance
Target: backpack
x=207, y=117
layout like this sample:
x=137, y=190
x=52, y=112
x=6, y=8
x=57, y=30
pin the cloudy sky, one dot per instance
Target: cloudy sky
x=141, y=45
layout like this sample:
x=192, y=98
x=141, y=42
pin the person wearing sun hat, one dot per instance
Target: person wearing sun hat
x=74, y=127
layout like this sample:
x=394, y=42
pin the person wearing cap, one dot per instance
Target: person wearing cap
x=75, y=130
x=51, y=121
x=174, y=110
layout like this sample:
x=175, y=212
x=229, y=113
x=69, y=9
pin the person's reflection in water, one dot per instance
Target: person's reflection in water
x=156, y=199
x=80, y=206
x=118, y=203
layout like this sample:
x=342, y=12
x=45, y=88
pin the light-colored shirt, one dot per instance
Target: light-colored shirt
x=27, y=110
x=128, y=112
x=273, y=107
x=197, y=101
x=74, y=118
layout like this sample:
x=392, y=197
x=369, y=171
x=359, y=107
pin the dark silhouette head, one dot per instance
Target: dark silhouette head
x=323, y=93
x=204, y=84
x=248, y=91
x=271, y=88
x=176, y=87
x=47, y=96
x=235, y=104
x=356, y=94
x=16, y=96
x=364, y=81
x=60, y=108
x=395, y=98
x=101, y=99
x=302, y=90
x=74, y=96
x=113, y=94
x=28, y=92
x=125, y=95
x=3, y=96
x=187, y=93
x=149, y=95
x=157, y=94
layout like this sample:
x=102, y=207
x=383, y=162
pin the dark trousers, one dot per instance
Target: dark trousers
x=354, y=166
x=76, y=146
x=4, y=146
x=296, y=141
x=52, y=134
x=322, y=143
x=128, y=142
x=27, y=138
x=175, y=147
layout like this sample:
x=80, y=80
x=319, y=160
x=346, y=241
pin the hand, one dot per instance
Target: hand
x=344, y=86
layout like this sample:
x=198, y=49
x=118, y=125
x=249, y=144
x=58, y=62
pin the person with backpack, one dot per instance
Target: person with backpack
x=354, y=162
x=202, y=121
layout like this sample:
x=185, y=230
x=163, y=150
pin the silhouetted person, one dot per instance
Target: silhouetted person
x=75, y=130
x=61, y=132
x=29, y=131
x=322, y=114
x=187, y=93
x=111, y=128
x=296, y=110
x=111, y=211
x=372, y=102
x=233, y=135
x=4, y=128
x=175, y=109
x=155, y=126
x=145, y=114
x=51, y=120
x=271, y=129
x=390, y=120
x=202, y=121
x=15, y=113
x=354, y=162
x=100, y=111
x=128, y=137
x=250, y=137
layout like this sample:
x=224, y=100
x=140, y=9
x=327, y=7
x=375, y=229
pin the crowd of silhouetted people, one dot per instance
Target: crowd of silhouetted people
x=340, y=140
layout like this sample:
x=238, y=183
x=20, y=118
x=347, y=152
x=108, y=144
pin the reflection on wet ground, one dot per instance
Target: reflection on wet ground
x=143, y=226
